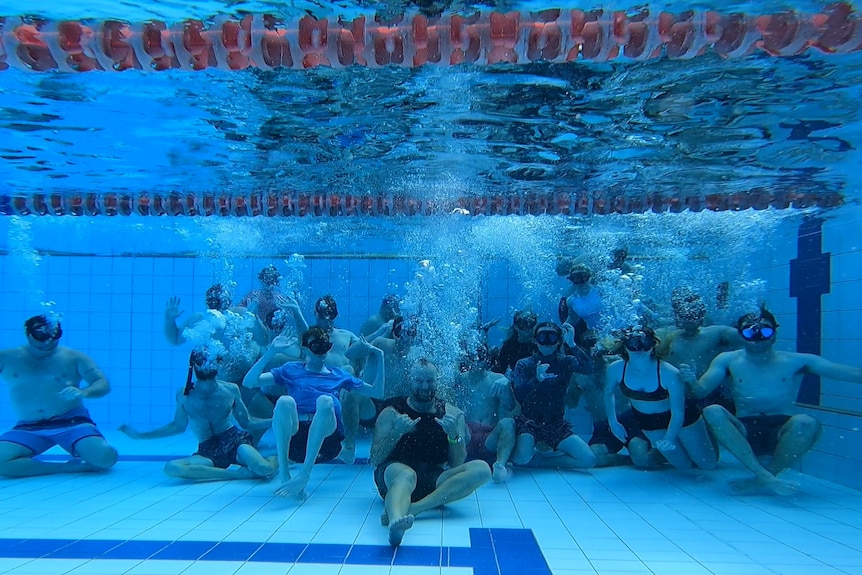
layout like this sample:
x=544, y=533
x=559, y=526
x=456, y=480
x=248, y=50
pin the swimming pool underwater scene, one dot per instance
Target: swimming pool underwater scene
x=430, y=287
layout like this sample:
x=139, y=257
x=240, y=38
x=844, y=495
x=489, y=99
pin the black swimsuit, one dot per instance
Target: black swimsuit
x=660, y=420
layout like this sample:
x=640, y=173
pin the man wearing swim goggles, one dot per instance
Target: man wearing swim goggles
x=765, y=384
x=758, y=331
x=309, y=402
x=541, y=383
x=44, y=379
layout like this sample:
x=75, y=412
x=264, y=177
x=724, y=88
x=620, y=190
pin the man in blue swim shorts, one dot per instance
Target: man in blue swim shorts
x=44, y=380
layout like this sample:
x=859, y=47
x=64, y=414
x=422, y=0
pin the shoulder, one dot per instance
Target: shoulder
x=231, y=388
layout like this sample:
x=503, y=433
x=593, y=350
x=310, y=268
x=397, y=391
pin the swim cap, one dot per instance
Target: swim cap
x=269, y=276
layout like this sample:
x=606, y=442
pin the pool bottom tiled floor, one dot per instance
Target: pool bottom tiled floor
x=619, y=520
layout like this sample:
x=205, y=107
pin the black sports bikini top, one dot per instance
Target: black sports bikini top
x=658, y=394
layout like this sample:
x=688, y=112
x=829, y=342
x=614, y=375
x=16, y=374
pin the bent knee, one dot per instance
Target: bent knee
x=285, y=405
x=805, y=425
x=507, y=424
x=325, y=402
x=404, y=477
x=103, y=459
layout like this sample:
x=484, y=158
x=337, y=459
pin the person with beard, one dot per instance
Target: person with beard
x=418, y=452
x=224, y=451
x=765, y=385
x=44, y=380
x=696, y=345
x=542, y=383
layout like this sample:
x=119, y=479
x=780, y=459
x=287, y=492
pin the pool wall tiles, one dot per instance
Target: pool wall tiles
x=113, y=310
x=837, y=455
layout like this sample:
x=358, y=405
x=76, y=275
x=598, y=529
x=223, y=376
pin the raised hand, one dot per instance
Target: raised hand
x=282, y=343
x=172, y=308
x=687, y=373
x=449, y=423
x=403, y=424
x=542, y=372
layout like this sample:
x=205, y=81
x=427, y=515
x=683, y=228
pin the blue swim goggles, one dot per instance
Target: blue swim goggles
x=759, y=331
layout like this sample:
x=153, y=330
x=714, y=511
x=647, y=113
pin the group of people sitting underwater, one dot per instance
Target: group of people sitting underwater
x=658, y=395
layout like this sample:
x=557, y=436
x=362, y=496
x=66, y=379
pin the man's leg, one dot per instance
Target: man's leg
x=728, y=431
x=400, y=482
x=285, y=424
x=795, y=439
x=260, y=466
x=200, y=468
x=17, y=461
x=323, y=425
x=525, y=447
x=502, y=442
x=354, y=408
x=454, y=484
x=95, y=451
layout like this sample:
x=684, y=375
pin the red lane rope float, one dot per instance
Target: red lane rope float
x=264, y=41
x=294, y=204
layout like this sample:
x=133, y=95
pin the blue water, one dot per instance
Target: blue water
x=677, y=128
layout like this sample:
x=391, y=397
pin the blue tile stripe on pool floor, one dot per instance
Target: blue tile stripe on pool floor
x=491, y=552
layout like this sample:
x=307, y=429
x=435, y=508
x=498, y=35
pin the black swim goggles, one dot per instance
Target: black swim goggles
x=547, y=337
x=45, y=332
x=525, y=322
x=639, y=342
x=760, y=331
x=319, y=346
x=579, y=277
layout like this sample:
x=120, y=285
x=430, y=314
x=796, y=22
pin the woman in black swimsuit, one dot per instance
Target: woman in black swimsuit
x=673, y=424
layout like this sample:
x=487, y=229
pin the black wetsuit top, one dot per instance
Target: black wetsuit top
x=510, y=352
x=543, y=401
x=427, y=443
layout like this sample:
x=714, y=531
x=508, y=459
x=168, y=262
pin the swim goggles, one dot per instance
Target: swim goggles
x=547, y=337
x=579, y=278
x=639, y=342
x=45, y=332
x=525, y=322
x=319, y=346
x=757, y=332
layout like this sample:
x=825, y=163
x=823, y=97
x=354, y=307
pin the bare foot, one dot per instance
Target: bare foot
x=749, y=485
x=499, y=473
x=384, y=519
x=295, y=486
x=397, y=530
x=347, y=456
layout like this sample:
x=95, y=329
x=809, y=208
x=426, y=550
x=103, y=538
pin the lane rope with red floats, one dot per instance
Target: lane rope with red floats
x=409, y=40
x=295, y=204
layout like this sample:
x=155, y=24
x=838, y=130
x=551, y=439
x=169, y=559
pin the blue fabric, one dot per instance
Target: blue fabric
x=305, y=386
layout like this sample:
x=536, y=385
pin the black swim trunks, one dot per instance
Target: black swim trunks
x=299, y=445
x=551, y=434
x=602, y=434
x=762, y=432
x=427, y=475
x=221, y=449
x=661, y=420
